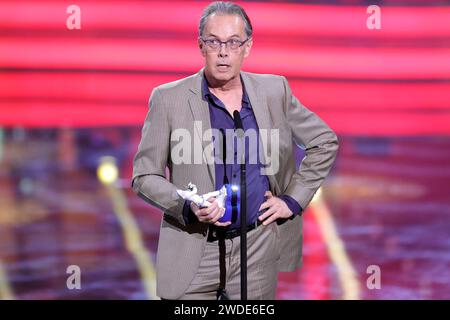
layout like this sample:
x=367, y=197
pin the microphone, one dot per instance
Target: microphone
x=243, y=208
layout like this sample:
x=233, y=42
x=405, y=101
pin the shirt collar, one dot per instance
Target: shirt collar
x=206, y=92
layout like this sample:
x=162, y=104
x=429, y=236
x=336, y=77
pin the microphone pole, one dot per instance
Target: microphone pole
x=243, y=209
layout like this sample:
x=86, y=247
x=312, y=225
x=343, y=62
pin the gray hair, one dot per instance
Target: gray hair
x=223, y=7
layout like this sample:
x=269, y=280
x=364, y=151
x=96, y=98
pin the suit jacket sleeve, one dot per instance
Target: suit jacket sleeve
x=319, y=142
x=149, y=167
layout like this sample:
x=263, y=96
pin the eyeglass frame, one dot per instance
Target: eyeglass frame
x=224, y=42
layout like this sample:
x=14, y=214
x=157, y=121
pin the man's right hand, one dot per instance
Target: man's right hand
x=210, y=214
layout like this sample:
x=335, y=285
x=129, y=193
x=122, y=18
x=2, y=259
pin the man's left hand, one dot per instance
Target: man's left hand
x=277, y=208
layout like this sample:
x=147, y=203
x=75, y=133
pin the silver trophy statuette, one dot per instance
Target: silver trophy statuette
x=202, y=200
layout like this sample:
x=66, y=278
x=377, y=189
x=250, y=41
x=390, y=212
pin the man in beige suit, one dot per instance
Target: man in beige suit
x=188, y=250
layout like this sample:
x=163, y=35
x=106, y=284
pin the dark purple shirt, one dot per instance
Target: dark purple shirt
x=257, y=183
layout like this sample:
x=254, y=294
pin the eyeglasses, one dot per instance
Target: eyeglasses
x=216, y=44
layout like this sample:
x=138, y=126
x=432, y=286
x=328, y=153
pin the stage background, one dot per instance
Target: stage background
x=73, y=101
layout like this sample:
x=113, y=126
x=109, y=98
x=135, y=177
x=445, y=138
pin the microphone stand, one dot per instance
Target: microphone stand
x=243, y=208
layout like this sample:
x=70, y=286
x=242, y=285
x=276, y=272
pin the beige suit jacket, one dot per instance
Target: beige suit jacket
x=179, y=105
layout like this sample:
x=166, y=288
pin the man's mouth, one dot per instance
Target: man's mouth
x=223, y=67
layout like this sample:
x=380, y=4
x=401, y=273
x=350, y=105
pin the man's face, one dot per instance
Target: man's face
x=224, y=63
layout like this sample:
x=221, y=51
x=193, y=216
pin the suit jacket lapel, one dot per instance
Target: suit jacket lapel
x=263, y=118
x=200, y=113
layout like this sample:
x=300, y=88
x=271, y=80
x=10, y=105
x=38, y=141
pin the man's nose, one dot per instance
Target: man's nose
x=223, y=50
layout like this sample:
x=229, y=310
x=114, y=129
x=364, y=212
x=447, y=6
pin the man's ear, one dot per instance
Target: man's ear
x=248, y=47
x=201, y=46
